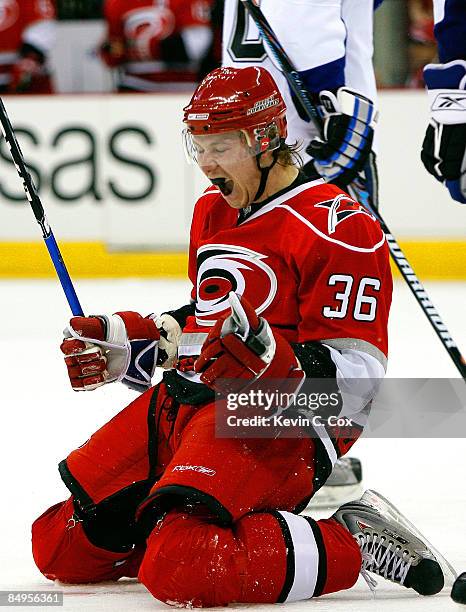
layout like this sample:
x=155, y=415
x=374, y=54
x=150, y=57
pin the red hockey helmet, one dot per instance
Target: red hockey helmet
x=238, y=99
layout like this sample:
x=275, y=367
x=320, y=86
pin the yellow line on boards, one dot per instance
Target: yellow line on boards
x=87, y=260
x=430, y=259
x=434, y=259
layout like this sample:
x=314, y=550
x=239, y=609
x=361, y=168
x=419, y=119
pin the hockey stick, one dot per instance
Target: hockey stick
x=38, y=210
x=289, y=71
x=296, y=84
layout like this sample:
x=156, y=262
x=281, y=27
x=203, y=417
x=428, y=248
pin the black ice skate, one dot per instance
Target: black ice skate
x=392, y=547
x=343, y=485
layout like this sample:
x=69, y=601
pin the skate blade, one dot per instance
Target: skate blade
x=334, y=497
x=386, y=508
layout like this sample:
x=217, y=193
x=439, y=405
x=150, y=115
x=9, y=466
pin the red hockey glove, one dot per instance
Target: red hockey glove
x=124, y=346
x=243, y=347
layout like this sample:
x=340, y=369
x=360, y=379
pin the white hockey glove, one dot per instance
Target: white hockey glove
x=122, y=347
x=349, y=122
x=444, y=147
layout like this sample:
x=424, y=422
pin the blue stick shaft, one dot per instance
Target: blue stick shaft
x=63, y=275
x=38, y=210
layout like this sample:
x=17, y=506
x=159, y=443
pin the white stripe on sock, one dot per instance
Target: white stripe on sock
x=306, y=557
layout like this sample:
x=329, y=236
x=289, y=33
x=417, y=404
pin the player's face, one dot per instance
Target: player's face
x=228, y=157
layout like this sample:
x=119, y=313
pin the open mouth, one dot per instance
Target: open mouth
x=225, y=185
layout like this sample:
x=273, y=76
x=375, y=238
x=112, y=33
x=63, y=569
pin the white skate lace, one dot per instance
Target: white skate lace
x=383, y=558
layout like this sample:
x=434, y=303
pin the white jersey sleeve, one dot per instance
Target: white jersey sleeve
x=330, y=42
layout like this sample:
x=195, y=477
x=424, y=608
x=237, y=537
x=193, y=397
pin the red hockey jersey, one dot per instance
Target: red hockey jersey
x=312, y=261
x=137, y=33
x=18, y=19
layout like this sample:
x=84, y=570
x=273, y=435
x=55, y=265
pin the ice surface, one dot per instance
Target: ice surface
x=42, y=420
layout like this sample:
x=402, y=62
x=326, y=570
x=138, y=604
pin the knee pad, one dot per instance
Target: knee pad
x=184, y=553
x=194, y=562
x=111, y=524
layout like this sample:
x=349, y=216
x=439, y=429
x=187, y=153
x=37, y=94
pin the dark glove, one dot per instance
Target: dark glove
x=444, y=147
x=349, y=121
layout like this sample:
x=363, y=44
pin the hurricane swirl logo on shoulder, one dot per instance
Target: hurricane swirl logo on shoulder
x=337, y=213
x=222, y=268
x=342, y=208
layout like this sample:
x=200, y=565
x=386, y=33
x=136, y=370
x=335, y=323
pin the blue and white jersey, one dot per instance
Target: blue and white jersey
x=330, y=42
x=450, y=29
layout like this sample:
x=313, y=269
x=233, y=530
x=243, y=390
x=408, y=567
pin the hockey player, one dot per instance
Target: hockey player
x=330, y=44
x=291, y=280
x=155, y=43
x=27, y=33
x=444, y=147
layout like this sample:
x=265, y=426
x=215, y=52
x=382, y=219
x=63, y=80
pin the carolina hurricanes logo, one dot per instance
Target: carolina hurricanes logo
x=222, y=268
x=337, y=212
x=141, y=26
x=9, y=12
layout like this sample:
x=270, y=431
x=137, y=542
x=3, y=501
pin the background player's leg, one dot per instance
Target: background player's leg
x=344, y=484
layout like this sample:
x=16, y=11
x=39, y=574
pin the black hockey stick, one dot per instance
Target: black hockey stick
x=38, y=210
x=289, y=71
x=296, y=84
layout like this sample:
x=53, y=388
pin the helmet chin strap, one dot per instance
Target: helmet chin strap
x=264, y=173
